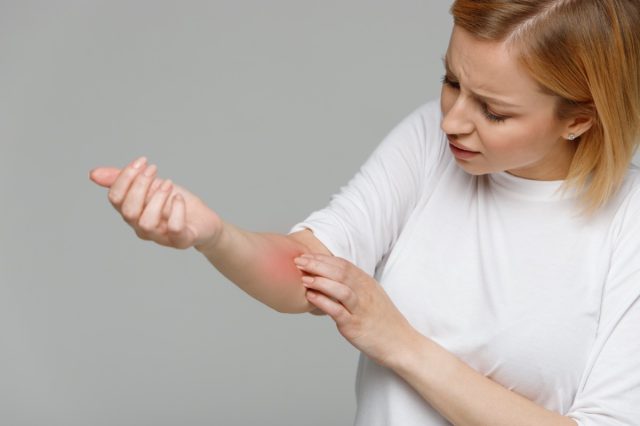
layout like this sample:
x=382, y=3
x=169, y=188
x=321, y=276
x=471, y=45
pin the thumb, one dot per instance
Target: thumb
x=104, y=176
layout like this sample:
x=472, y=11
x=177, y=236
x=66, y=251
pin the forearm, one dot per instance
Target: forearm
x=464, y=396
x=261, y=264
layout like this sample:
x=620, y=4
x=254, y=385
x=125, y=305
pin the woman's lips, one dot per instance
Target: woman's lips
x=461, y=153
x=457, y=145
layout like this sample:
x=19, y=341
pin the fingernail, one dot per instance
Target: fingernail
x=165, y=185
x=138, y=163
x=307, y=280
x=301, y=261
x=150, y=170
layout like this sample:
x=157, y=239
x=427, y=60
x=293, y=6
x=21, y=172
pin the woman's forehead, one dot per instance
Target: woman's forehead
x=490, y=69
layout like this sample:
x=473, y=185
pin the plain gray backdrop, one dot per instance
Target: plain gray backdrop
x=261, y=108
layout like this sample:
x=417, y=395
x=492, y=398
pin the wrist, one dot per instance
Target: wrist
x=212, y=243
x=426, y=356
x=405, y=354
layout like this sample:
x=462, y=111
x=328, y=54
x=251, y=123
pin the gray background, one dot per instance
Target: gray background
x=263, y=109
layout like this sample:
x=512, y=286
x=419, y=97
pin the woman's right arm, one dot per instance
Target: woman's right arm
x=261, y=264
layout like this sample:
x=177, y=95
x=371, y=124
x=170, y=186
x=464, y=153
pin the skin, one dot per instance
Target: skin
x=158, y=210
x=531, y=142
x=260, y=263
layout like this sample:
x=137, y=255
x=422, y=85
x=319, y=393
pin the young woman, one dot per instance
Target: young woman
x=485, y=259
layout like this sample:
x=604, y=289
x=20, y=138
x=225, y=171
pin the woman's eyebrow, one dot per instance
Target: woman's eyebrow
x=484, y=98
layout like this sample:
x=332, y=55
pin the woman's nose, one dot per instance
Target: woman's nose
x=456, y=119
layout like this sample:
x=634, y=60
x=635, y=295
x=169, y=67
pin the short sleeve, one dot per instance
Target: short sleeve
x=609, y=392
x=364, y=218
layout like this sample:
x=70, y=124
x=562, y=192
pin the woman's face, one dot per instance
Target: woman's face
x=492, y=106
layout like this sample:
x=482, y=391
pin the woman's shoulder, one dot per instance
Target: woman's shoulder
x=425, y=120
x=428, y=112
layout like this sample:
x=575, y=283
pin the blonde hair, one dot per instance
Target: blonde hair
x=587, y=54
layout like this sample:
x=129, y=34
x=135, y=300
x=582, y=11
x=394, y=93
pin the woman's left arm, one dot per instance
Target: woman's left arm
x=461, y=394
x=366, y=317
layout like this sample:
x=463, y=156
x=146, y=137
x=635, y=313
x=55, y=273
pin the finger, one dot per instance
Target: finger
x=338, y=291
x=155, y=185
x=168, y=206
x=104, y=176
x=323, y=266
x=134, y=200
x=332, y=308
x=152, y=214
x=176, y=226
x=119, y=189
x=329, y=259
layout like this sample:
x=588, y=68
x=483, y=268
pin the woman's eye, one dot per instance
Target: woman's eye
x=485, y=110
x=492, y=117
x=450, y=83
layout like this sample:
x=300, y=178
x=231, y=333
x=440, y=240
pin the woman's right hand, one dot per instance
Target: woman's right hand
x=158, y=210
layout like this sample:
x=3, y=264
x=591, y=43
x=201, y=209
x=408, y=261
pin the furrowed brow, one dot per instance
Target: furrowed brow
x=484, y=98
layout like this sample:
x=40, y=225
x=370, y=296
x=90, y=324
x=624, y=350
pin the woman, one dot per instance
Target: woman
x=486, y=257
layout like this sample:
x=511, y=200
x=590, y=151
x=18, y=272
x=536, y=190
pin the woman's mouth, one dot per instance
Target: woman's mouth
x=461, y=152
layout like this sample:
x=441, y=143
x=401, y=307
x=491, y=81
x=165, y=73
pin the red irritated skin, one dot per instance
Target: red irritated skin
x=277, y=282
x=279, y=265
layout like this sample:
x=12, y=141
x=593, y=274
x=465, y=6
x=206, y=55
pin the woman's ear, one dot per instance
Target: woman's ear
x=578, y=125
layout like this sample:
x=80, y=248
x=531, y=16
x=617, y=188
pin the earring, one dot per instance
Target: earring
x=572, y=136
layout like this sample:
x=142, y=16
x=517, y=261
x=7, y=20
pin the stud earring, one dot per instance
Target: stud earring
x=572, y=136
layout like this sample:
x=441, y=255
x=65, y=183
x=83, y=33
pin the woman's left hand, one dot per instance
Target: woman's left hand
x=363, y=312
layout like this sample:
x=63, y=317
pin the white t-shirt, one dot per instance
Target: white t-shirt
x=499, y=271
